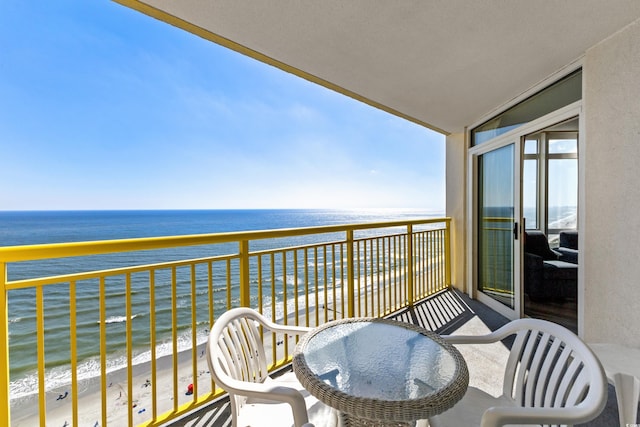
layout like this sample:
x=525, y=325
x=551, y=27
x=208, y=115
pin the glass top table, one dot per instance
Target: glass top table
x=380, y=371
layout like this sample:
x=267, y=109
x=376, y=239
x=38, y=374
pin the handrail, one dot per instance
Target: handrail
x=350, y=276
x=63, y=250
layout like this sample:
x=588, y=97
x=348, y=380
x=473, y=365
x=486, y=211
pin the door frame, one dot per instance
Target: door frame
x=516, y=136
x=474, y=155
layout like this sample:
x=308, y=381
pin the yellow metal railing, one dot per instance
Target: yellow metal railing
x=155, y=316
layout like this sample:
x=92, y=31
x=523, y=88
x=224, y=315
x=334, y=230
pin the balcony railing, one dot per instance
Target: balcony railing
x=113, y=332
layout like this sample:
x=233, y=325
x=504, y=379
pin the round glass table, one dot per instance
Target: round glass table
x=380, y=372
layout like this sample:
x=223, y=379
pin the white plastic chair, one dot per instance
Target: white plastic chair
x=551, y=378
x=238, y=364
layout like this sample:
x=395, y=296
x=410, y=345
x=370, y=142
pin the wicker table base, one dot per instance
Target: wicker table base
x=347, y=420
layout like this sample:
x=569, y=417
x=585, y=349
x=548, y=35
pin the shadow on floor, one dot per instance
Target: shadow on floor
x=447, y=311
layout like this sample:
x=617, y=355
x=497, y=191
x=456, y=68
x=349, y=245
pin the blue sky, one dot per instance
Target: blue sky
x=102, y=107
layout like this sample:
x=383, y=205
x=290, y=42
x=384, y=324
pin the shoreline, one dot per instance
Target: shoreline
x=24, y=411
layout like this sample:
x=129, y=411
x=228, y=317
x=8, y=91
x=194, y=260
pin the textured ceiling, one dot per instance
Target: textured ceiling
x=443, y=63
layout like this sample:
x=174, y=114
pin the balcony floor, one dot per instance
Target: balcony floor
x=444, y=313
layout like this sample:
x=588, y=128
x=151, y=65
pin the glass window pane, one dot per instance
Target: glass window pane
x=563, y=146
x=531, y=146
x=558, y=95
x=562, y=210
x=530, y=193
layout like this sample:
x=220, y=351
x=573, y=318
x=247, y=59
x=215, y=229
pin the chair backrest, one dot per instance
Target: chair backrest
x=237, y=362
x=536, y=243
x=569, y=239
x=551, y=367
x=235, y=349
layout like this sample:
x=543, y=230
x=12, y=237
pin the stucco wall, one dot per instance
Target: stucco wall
x=610, y=243
x=455, y=204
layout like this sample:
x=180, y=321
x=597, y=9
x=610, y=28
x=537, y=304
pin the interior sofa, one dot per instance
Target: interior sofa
x=568, y=248
x=546, y=276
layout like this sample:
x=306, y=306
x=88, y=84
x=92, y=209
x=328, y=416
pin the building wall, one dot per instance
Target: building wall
x=610, y=222
x=455, y=206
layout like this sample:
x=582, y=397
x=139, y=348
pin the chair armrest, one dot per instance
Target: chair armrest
x=288, y=329
x=285, y=329
x=472, y=339
x=499, y=334
x=568, y=255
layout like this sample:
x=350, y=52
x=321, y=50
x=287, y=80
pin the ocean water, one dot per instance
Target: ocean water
x=38, y=227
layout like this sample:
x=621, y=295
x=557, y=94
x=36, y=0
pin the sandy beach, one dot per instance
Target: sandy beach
x=24, y=411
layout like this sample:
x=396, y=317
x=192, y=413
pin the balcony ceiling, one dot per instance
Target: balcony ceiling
x=441, y=63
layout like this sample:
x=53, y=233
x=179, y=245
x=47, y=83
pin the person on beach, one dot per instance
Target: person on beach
x=62, y=396
x=189, y=390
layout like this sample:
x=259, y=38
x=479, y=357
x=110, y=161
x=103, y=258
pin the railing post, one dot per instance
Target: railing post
x=410, y=293
x=447, y=252
x=5, y=414
x=245, y=294
x=351, y=286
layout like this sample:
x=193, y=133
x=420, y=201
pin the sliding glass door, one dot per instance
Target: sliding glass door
x=497, y=227
x=526, y=178
x=523, y=160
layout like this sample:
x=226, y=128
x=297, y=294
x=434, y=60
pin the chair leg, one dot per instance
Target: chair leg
x=627, y=394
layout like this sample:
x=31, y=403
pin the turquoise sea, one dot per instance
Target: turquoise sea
x=38, y=227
